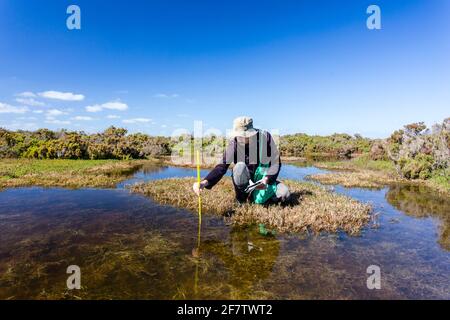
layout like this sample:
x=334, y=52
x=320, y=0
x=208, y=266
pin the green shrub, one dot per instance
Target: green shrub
x=338, y=144
x=113, y=143
x=419, y=167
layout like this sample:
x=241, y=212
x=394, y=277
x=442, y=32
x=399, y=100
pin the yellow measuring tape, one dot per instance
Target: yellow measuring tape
x=199, y=224
x=198, y=180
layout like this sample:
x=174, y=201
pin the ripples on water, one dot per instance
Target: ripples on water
x=129, y=247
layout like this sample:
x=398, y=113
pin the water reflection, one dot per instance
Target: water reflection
x=420, y=202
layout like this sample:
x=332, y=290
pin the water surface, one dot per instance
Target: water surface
x=127, y=246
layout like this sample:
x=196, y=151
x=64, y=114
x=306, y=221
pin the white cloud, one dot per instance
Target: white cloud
x=94, y=108
x=82, y=118
x=55, y=113
x=66, y=96
x=112, y=116
x=7, y=108
x=26, y=94
x=30, y=102
x=113, y=105
x=137, y=120
x=56, y=121
x=165, y=96
x=38, y=111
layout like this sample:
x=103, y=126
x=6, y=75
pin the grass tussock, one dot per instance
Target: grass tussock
x=311, y=207
x=64, y=173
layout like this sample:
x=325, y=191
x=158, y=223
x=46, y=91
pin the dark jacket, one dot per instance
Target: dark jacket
x=264, y=151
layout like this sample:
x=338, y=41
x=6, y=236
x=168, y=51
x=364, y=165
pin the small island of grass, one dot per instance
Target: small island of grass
x=311, y=207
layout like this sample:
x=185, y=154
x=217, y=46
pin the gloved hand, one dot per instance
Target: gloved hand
x=199, y=187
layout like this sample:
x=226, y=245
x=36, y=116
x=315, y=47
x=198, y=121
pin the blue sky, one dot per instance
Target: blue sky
x=154, y=66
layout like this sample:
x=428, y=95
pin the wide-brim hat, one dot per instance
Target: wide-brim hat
x=243, y=127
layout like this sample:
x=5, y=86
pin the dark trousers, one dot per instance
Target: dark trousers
x=241, y=180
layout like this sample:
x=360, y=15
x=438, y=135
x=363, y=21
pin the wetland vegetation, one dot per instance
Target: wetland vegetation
x=310, y=207
x=382, y=208
x=415, y=153
x=64, y=173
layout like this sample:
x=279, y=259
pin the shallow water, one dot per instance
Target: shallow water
x=130, y=247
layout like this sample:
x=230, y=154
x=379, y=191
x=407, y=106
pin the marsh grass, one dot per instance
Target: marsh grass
x=65, y=173
x=311, y=207
x=359, y=172
x=360, y=179
x=361, y=163
x=362, y=172
x=440, y=181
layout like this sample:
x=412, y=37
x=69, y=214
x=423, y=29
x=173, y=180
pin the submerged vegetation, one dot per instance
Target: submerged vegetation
x=120, y=264
x=311, y=207
x=64, y=173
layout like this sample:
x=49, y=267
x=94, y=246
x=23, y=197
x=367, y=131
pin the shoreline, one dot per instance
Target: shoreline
x=71, y=174
x=372, y=175
x=354, y=173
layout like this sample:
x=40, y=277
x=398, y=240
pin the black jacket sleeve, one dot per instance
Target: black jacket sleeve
x=275, y=159
x=219, y=170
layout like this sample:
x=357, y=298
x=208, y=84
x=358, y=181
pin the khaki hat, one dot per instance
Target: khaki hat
x=243, y=127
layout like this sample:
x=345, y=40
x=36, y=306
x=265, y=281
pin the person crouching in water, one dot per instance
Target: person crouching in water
x=256, y=158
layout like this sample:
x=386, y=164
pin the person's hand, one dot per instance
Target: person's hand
x=199, y=187
x=263, y=185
